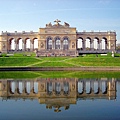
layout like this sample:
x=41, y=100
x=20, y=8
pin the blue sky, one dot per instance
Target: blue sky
x=27, y=15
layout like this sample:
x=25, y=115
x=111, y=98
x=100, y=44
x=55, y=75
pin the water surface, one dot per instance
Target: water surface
x=60, y=98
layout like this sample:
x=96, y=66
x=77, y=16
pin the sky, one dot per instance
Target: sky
x=27, y=15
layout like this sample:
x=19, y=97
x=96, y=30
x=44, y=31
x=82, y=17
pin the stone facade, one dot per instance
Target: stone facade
x=57, y=39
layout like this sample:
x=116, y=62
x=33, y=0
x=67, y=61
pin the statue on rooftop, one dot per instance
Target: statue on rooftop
x=66, y=24
x=57, y=22
x=49, y=25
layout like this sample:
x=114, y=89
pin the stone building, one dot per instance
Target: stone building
x=59, y=40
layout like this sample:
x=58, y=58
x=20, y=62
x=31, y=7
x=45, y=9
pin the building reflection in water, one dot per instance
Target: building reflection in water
x=57, y=93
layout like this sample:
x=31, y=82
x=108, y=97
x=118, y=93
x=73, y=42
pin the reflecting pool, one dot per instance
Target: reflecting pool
x=60, y=98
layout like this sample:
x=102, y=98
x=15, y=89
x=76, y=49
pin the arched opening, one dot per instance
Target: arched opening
x=28, y=87
x=20, y=87
x=80, y=87
x=88, y=41
x=57, y=43
x=88, y=87
x=35, y=87
x=35, y=43
x=49, y=88
x=66, y=88
x=104, y=43
x=57, y=88
x=12, y=44
x=96, y=43
x=96, y=87
x=19, y=42
x=12, y=87
x=65, y=43
x=80, y=43
x=27, y=43
x=49, y=43
x=104, y=87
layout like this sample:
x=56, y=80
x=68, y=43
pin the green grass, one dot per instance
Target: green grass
x=21, y=54
x=58, y=74
x=54, y=59
x=54, y=64
x=89, y=60
x=15, y=75
x=117, y=55
x=17, y=61
x=79, y=61
x=92, y=61
x=32, y=54
x=78, y=74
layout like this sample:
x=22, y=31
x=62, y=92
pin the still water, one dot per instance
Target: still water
x=60, y=99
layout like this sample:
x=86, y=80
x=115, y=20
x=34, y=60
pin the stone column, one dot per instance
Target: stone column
x=92, y=86
x=69, y=44
x=84, y=86
x=53, y=44
x=31, y=45
x=105, y=45
x=109, y=47
x=61, y=47
x=31, y=86
x=38, y=45
x=84, y=44
x=100, y=86
x=92, y=44
x=8, y=46
x=23, y=87
x=45, y=45
x=17, y=87
x=23, y=45
x=16, y=45
x=99, y=45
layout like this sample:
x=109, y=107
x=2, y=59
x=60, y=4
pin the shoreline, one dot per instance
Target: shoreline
x=60, y=68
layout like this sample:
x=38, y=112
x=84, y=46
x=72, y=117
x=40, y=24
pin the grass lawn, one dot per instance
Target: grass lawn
x=89, y=60
x=16, y=75
x=58, y=74
x=17, y=61
x=92, y=61
x=78, y=74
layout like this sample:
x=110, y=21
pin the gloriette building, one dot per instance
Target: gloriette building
x=59, y=40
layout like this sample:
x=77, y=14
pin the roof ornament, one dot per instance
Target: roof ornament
x=57, y=22
x=49, y=25
x=66, y=24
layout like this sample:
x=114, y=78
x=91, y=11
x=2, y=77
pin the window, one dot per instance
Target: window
x=57, y=43
x=49, y=43
x=65, y=43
